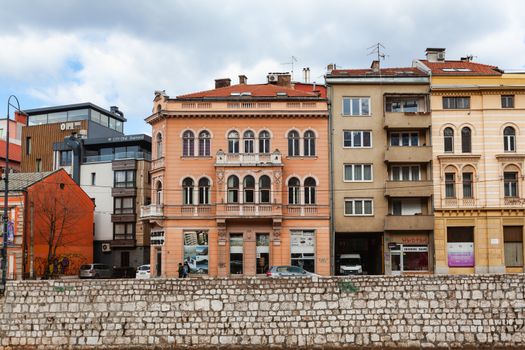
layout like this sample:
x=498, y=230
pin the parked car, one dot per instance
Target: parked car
x=350, y=264
x=124, y=272
x=288, y=271
x=143, y=271
x=95, y=271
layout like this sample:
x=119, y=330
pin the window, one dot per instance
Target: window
x=401, y=105
x=249, y=189
x=404, y=139
x=158, y=189
x=466, y=140
x=196, y=250
x=294, y=187
x=204, y=144
x=309, y=190
x=236, y=253
x=125, y=178
x=460, y=246
x=302, y=249
x=204, y=191
x=159, y=145
x=293, y=143
x=28, y=145
x=513, y=238
x=264, y=189
x=357, y=139
x=468, y=191
x=358, y=207
x=38, y=165
x=124, y=205
x=93, y=178
x=356, y=106
x=65, y=158
x=233, y=142
x=507, y=101
x=262, y=249
x=456, y=102
x=448, y=138
x=510, y=185
x=124, y=231
x=187, y=191
x=233, y=189
x=188, y=139
x=509, y=139
x=358, y=172
x=309, y=143
x=248, y=137
x=264, y=142
x=450, y=185
x=405, y=173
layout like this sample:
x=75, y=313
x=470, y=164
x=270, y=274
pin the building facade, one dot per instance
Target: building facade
x=478, y=157
x=15, y=141
x=381, y=168
x=240, y=179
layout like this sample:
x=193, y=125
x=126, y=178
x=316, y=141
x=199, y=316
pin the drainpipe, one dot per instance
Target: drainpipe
x=73, y=142
x=331, y=181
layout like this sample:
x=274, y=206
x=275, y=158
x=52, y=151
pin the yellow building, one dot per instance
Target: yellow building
x=478, y=115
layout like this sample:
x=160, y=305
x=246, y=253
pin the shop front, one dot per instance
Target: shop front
x=407, y=253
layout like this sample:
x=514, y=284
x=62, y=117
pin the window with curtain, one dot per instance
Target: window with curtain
x=309, y=143
x=293, y=143
x=309, y=190
x=468, y=189
x=188, y=141
x=187, y=191
x=249, y=189
x=204, y=191
x=294, y=187
x=450, y=185
x=204, y=143
x=264, y=189
x=509, y=139
x=233, y=189
x=264, y=142
x=248, y=139
x=510, y=179
x=233, y=142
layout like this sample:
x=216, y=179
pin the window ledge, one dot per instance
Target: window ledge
x=195, y=157
x=301, y=157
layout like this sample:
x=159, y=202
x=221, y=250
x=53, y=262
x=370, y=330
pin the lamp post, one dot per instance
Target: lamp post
x=6, y=192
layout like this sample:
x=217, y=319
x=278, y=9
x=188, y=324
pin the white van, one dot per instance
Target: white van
x=350, y=264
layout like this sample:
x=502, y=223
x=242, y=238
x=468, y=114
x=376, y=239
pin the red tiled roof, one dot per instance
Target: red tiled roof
x=461, y=68
x=309, y=87
x=392, y=72
x=255, y=90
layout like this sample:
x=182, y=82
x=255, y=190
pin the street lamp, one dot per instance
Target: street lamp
x=6, y=192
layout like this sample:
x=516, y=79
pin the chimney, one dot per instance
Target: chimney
x=467, y=58
x=243, y=79
x=330, y=67
x=375, y=66
x=224, y=82
x=306, y=75
x=284, y=79
x=435, y=54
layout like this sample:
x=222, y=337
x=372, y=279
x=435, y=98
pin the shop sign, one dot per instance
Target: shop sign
x=460, y=254
x=415, y=249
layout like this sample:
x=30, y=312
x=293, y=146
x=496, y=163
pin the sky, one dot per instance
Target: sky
x=118, y=52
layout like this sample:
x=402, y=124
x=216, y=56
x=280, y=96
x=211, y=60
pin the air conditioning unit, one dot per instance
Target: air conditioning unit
x=441, y=56
x=272, y=77
x=106, y=247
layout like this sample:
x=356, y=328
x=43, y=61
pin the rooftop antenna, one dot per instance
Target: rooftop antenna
x=293, y=59
x=377, y=49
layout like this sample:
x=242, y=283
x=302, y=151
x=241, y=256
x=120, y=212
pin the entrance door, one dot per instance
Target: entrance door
x=124, y=259
x=236, y=253
x=158, y=264
x=263, y=252
x=397, y=262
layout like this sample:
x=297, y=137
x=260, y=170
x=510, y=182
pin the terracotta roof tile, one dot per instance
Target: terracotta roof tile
x=461, y=68
x=391, y=72
x=255, y=90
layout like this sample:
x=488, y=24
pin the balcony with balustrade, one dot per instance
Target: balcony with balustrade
x=152, y=211
x=248, y=210
x=296, y=210
x=248, y=159
x=408, y=154
x=157, y=164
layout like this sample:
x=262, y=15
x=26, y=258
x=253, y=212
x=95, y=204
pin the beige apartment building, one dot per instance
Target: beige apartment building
x=381, y=169
x=478, y=117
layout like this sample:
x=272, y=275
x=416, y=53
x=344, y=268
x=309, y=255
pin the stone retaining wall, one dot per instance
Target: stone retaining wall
x=382, y=311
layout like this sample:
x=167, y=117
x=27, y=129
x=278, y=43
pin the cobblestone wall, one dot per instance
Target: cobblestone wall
x=429, y=311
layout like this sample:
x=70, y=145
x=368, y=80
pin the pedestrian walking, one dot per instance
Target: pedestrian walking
x=185, y=270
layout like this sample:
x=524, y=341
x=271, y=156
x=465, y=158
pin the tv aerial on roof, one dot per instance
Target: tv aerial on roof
x=378, y=49
x=293, y=59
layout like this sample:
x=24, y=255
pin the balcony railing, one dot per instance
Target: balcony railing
x=237, y=159
x=459, y=203
x=249, y=209
x=407, y=120
x=157, y=163
x=414, y=154
x=408, y=188
x=409, y=222
x=117, y=156
x=151, y=211
x=306, y=210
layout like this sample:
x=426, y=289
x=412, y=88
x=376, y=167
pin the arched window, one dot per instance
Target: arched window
x=204, y=143
x=249, y=189
x=309, y=190
x=511, y=176
x=264, y=142
x=233, y=142
x=467, y=177
x=509, y=139
x=159, y=145
x=204, y=191
x=293, y=143
x=187, y=191
x=233, y=189
x=248, y=137
x=188, y=141
x=158, y=189
x=450, y=182
x=309, y=143
x=449, y=140
x=294, y=188
x=466, y=140
x=264, y=189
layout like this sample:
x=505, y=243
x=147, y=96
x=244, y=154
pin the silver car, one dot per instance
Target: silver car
x=288, y=271
x=95, y=271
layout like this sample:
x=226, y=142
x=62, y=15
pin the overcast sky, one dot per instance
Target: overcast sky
x=118, y=52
